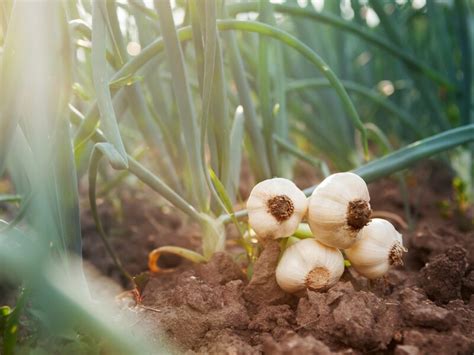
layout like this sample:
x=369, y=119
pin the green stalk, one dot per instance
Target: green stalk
x=462, y=11
x=252, y=126
x=101, y=83
x=363, y=91
x=387, y=148
x=405, y=157
x=400, y=159
x=143, y=174
x=104, y=149
x=208, y=51
x=137, y=103
x=185, y=34
x=197, y=41
x=12, y=326
x=281, y=125
x=221, y=125
x=425, y=90
x=309, y=54
x=264, y=87
x=358, y=30
x=5, y=13
x=292, y=149
x=7, y=198
x=186, y=110
x=160, y=101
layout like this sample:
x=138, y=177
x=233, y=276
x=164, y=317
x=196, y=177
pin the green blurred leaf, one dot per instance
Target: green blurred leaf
x=10, y=198
x=221, y=191
x=236, y=144
x=115, y=160
x=12, y=323
x=101, y=84
x=184, y=102
x=125, y=81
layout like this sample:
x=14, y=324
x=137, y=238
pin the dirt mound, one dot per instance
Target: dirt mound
x=207, y=315
x=425, y=307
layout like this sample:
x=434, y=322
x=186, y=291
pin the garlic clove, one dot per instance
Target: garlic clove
x=338, y=208
x=276, y=207
x=379, y=246
x=309, y=264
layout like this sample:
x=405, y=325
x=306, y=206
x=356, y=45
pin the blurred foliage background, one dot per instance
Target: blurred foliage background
x=178, y=94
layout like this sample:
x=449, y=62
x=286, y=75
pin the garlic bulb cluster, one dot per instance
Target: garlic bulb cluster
x=339, y=217
x=379, y=246
x=338, y=209
x=276, y=207
x=309, y=264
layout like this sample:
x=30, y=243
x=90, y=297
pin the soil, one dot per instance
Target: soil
x=423, y=307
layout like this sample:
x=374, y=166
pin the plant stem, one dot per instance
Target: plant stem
x=402, y=158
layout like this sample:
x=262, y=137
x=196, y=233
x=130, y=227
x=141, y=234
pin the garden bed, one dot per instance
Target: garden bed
x=424, y=307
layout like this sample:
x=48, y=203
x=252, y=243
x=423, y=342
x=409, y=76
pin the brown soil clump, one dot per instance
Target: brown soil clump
x=442, y=278
x=425, y=307
x=263, y=288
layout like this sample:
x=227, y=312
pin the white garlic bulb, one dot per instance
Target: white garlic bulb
x=309, y=264
x=276, y=207
x=379, y=246
x=338, y=208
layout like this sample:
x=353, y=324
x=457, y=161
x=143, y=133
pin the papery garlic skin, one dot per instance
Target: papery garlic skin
x=275, y=208
x=309, y=264
x=338, y=208
x=378, y=247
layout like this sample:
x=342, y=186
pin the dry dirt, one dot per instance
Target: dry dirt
x=424, y=307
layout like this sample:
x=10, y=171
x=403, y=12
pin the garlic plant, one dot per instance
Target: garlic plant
x=275, y=208
x=338, y=209
x=309, y=264
x=378, y=247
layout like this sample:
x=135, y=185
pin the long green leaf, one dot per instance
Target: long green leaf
x=290, y=148
x=12, y=326
x=404, y=157
x=60, y=300
x=366, y=92
x=264, y=87
x=101, y=83
x=219, y=109
x=249, y=26
x=392, y=31
x=145, y=175
x=115, y=160
x=332, y=20
x=187, y=112
x=465, y=41
x=309, y=54
x=7, y=198
x=138, y=106
x=236, y=142
x=257, y=147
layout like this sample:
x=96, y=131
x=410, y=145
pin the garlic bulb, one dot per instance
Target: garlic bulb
x=378, y=247
x=338, y=209
x=276, y=207
x=309, y=264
